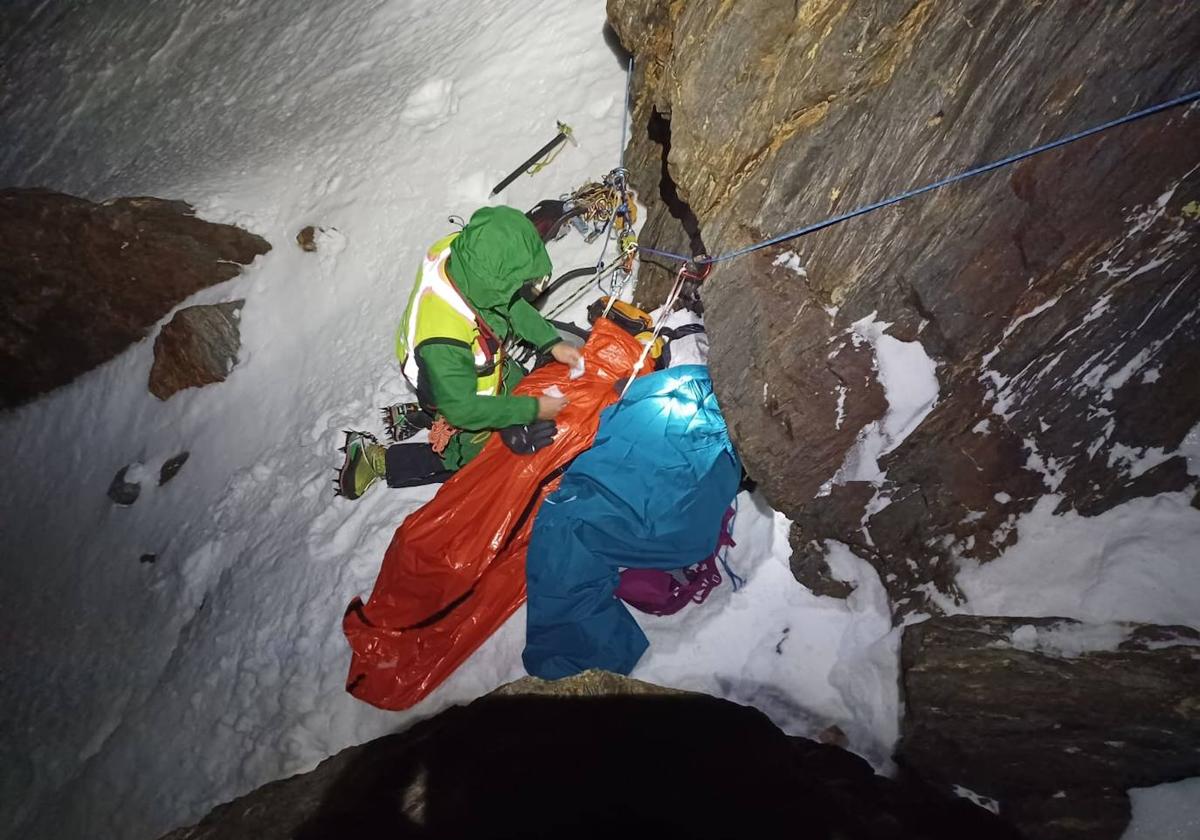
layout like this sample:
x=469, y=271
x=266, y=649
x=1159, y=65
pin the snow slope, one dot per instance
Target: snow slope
x=136, y=696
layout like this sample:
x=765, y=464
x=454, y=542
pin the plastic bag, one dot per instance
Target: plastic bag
x=455, y=569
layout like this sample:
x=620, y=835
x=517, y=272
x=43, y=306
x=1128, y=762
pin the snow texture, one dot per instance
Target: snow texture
x=1165, y=812
x=792, y=262
x=1136, y=562
x=1069, y=641
x=137, y=695
x=979, y=799
x=909, y=380
x=806, y=661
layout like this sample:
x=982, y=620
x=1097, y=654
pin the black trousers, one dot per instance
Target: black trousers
x=414, y=464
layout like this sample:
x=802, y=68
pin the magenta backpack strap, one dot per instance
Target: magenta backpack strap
x=659, y=592
x=704, y=577
x=652, y=591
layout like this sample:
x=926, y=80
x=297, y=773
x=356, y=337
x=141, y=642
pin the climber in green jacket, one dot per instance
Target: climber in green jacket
x=465, y=303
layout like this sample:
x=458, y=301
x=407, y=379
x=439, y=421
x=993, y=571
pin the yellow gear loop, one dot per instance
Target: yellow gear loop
x=546, y=161
x=630, y=211
x=628, y=244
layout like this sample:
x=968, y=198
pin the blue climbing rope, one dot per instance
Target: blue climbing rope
x=625, y=114
x=608, y=228
x=736, y=580
x=896, y=199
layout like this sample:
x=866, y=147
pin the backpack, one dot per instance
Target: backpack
x=661, y=592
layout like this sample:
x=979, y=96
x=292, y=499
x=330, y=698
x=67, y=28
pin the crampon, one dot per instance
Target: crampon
x=403, y=420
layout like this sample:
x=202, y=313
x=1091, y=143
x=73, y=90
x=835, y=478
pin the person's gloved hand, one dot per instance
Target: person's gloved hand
x=525, y=440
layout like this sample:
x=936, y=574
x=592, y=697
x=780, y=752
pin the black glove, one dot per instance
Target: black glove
x=525, y=440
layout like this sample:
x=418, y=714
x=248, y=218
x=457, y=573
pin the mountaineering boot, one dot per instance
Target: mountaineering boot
x=365, y=463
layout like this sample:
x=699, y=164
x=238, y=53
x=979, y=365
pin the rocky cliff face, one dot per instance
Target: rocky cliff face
x=80, y=282
x=1052, y=718
x=1058, y=297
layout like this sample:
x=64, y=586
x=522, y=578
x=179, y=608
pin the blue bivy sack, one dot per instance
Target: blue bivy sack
x=650, y=493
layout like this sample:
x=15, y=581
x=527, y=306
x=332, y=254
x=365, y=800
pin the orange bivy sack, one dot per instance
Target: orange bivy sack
x=455, y=569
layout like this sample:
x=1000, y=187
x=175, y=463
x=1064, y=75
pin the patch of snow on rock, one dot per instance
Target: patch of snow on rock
x=1165, y=812
x=1135, y=562
x=791, y=261
x=1068, y=640
x=909, y=379
x=979, y=799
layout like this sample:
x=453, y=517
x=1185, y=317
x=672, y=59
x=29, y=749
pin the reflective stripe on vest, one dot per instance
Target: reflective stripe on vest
x=437, y=310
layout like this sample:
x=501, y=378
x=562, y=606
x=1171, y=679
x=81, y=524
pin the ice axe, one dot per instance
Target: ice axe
x=535, y=162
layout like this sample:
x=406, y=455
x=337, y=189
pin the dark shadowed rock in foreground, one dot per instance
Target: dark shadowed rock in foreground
x=80, y=282
x=1059, y=296
x=594, y=756
x=1052, y=718
x=197, y=347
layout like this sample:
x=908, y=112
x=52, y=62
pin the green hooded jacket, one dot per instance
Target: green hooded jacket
x=497, y=252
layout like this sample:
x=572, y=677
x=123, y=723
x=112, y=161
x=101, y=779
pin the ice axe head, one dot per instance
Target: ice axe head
x=567, y=132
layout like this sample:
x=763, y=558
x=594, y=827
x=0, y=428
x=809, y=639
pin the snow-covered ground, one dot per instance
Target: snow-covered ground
x=135, y=695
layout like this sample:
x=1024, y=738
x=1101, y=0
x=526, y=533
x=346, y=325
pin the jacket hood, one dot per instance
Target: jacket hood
x=497, y=252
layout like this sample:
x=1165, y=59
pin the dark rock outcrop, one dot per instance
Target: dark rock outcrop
x=80, y=282
x=1052, y=718
x=1059, y=296
x=172, y=466
x=197, y=347
x=307, y=238
x=594, y=756
x=310, y=236
x=122, y=491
